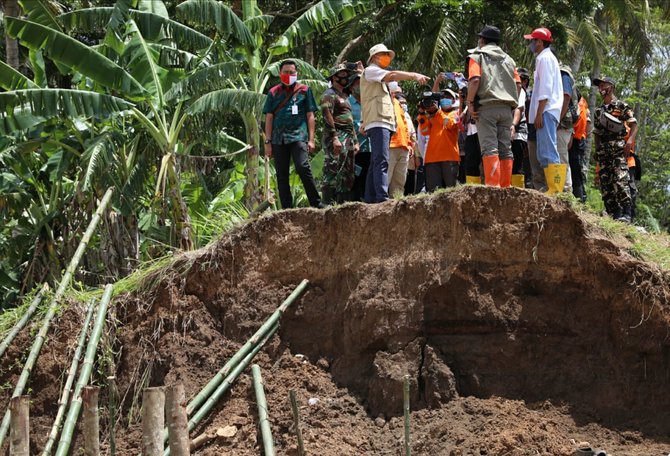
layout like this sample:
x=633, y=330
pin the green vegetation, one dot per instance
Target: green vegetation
x=162, y=101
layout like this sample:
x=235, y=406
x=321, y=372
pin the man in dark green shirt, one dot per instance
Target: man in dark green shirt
x=289, y=132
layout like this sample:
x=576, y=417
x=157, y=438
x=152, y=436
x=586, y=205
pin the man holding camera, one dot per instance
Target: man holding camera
x=492, y=98
x=609, y=128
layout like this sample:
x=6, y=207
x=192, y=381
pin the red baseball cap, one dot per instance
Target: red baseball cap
x=541, y=33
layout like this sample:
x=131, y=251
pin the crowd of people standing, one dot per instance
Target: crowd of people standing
x=488, y=125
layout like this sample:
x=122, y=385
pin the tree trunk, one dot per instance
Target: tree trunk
x=153, y=421
x=577, y=62
x=91, y=420
x=177, y=420
x=252, y=196
x=12, y=45
x=19, y=440
x=180, y=215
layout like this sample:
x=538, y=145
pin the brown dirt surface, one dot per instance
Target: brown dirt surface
x=523, y=330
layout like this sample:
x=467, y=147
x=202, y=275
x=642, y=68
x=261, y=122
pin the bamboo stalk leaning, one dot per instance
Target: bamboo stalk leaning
x=263, y=414
x=24, y=319
x=19, y=440
x=296, y=422
x=84, y=374
x=91, y=417
x=67, y=388
x=53, y=306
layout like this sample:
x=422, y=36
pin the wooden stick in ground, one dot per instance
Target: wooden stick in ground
x=53, y=306
x=296, y=422
x=175, y=407
x=24, y=319
x=153, y=421
x=405, y=395
x=112, y=395
x=67, y=388
x=19, y=440
x=89, y=396
x=84, y=375
x=263, y=415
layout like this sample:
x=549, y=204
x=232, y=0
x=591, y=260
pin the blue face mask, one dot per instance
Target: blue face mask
x=445, y=103
x=532, y=46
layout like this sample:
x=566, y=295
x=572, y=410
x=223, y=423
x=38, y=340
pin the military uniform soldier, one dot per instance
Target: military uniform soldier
x=612, y=148
x=340, y=141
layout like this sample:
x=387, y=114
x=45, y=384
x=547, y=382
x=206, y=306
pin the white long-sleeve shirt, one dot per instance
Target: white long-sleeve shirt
x=547, y=85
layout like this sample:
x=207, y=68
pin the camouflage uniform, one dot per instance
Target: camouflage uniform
x=338, y=168
x=611, y=159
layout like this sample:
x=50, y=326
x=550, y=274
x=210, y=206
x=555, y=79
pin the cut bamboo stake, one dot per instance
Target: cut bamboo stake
x=245, y=349
x=24, y=319
x=84, y=374
x=175, y=401
x=296, y=422
x=263, y=415
x=67, y=388
x=223, y=387
x=112, y=395
x=89, y=396
x=53, y=306
x=153, y=421
x=19, y=440
x=405, y=395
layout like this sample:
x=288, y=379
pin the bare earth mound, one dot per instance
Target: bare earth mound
x=522, y=328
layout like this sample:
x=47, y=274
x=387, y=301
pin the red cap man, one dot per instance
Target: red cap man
x=541, y=33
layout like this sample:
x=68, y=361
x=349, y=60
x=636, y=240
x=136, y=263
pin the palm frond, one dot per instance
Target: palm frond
x=154, y=28
x=10, y=79
x=208, y=13
x=96, y=156
x=77, y=56
x=50, y=103
x=204, y=80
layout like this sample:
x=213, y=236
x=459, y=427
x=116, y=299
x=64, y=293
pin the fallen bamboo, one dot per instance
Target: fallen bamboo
x=405, y=396
x=245, y=349
x=175, y=400
x=53, y=306
x=67, y=388
x=296, y=422
x=91, y=419
x=153, y=421
x=263, y=414
x=84, y=374
x=225, y=385
x=24, y=319
x=19, y=439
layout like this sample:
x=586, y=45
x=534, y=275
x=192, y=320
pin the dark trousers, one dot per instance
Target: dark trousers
x=473, y=155
x=282, y=154
x=633, y=193
x=576, y=160
x=441, y=175
x=377, y=181
x=518, y=147
x=362, y=160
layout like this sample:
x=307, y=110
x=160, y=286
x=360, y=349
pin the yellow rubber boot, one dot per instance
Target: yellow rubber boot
x=474, y=180
x=518, y=180
x=555, y=175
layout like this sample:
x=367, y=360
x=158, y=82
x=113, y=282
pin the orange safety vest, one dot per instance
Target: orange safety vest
x=400, y=138
x=580, y=126
x=630, y=159
x=442, y=131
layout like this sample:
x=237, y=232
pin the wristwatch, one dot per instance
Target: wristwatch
x=268, y=141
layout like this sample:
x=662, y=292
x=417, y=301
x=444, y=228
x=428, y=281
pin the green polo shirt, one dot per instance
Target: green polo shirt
x=290, y=122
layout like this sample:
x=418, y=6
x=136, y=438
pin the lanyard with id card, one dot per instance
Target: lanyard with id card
x=294, y=109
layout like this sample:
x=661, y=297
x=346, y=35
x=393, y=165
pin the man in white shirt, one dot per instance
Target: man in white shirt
x=545, y=108
x=379, y=117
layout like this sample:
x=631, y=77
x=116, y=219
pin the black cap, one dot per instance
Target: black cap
x=597, y=81
x=523, y=73
x=490, y=32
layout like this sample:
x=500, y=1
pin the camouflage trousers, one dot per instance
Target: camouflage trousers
x=614, y=177
x=338, y=169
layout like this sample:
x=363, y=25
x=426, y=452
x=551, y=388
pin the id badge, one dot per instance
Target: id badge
x=294, y=110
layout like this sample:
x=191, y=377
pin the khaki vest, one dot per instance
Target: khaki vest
x=376, y=102
x=496, y=85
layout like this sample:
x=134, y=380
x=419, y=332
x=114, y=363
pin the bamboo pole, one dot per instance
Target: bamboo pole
x=405, y=395
x=225, y=385
x=19, y=439
x=263, y=414
x=112, y=395
x=53, y=306
x=245, y=349
x=84, y=375
x=175, y=401
x=296, y=422
x=67, y=388
x=153, y=421
x=24, y=319
x=91, y=420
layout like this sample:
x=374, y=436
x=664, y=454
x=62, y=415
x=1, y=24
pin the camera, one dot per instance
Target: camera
x=352, y=66
x=430, y=98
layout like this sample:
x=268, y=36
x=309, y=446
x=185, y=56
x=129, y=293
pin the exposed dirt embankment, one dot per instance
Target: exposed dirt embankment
x=520, y=326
